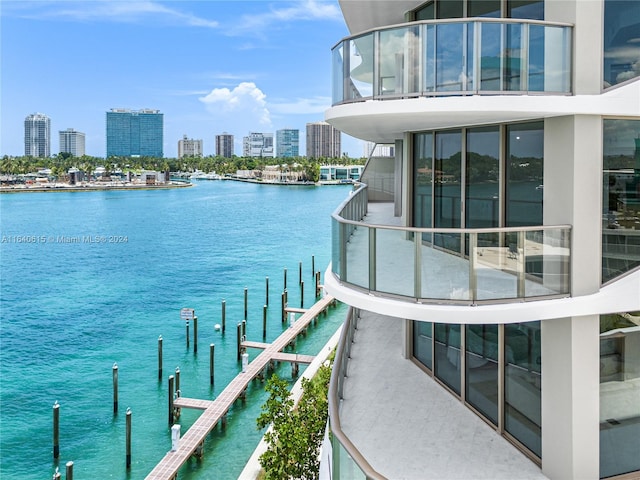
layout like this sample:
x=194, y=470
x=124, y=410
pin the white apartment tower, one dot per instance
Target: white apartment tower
x=323, y=141
x=189, y=147
x=37, y=135
x=257, y=144
x=72, y=141
x=492, y=265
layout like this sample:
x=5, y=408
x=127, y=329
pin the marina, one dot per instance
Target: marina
x=72, y=310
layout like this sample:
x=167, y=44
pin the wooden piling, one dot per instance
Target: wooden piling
x=56, y=429
x=264, y=321
x=285, y=278
x=246, y=295
x=115, y=388
x=299, y=273
x=301, y=293
x=177, y=379
x=317, y=284
x=313, y=265
x=128, y=439
x=212, y=349
x=195, y=335
x=187, y=324
x=244, y=329
x=160, y=357
x=224, y=314
x=266, y=295
x=284, y=305
x=69, y=471
x=57, y=475
x=170, y=400
x=239, y=332
x=294, y=369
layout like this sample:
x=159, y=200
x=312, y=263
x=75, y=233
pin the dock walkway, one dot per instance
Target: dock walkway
x=215, y=410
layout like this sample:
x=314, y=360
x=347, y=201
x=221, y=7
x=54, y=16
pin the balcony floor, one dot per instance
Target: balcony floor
x=408, y=426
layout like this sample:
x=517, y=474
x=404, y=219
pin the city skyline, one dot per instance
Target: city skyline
x=210, y=67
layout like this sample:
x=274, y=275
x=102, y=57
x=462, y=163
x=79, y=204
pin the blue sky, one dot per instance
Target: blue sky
x=209, y=66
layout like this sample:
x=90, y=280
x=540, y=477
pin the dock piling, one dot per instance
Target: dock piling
x=264, y=322
x=246, y=294
x=177, y=379
x=195, y=335
x=266, y=295
x=283, y=313
x=69, y=471
x=128, y=439
x=313, y=265
x=57, y=475
x=301, y=293
x=244, y=329
x=115, y=387
x=56, y=429
x=212, y=349
x=299, y=273
x=239, y=340
x=170, y=400
x=160, y=358
x=187, y=326
x=317, y=274
x=224, y=314
x=285, y=278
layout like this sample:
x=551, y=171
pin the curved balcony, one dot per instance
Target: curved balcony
x=453, y=57
x=457, y=266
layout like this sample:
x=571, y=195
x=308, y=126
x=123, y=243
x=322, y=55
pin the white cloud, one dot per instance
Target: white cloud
x=109, y=10
x=246, y=103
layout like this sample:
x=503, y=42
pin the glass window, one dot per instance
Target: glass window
x=423, y=342
x=447, y=186
x=491, y=56
x=447, y=354
x=338, y=74
x=423, y=179
x=450, y=9
x=525, y=9
x=524, y=174
x=482, y=177
x=483, y=8
x=450, y=61
x=430, y=58
x=619, y=393
x=482, y=369
x=512, y=61
x=621, y=41
x=522, y=380
x=620, y=197
x=361, y=67
x=396, y=62
x=426, y=12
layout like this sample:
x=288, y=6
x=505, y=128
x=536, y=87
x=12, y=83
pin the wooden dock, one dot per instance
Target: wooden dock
x=214, y=410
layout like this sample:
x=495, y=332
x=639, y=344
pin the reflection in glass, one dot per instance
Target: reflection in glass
x=482, y=369
x=513, y=65
x=522, y=380
x=524, y=174
x=361, y=67
x=483, y=8
x=447, y=355
x=620, y=197
x=391, y=270
x=482, y=177
x=536, y=58
x=490, y=56
x=621, y=45
x=449, y=9
x=619, y=393
x=430, y=58
x=426, y=12
x=397, y=61
x=337, y=79
x=422, y=342
x=422, y=179
x=450, y=64
x=525, y=9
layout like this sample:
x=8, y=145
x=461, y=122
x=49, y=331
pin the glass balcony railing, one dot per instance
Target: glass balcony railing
x=453, y=57
x=466, y=265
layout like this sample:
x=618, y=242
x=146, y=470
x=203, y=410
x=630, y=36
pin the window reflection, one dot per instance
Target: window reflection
x=621, y=42
x=522, y=381
x=619, y=393
x=483, y=176
x=620, y=197
x=423, y=178
x=361, y=67
x=423, y=342
x=447, y=355
x=482, y=369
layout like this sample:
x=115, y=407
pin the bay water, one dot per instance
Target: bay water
x=89, y=279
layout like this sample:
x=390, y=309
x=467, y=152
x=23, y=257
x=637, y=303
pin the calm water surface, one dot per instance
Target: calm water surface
x=70, y=308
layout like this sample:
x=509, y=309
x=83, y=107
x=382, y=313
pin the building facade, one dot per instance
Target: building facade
x=37, y=135
x=224, y=145
x=492, y=265
x=287, y=142
x=134, y=133
x=257, y=144
x=72, y=141
x=323, y=141
x=189, y=147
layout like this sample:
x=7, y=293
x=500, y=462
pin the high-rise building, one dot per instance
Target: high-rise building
x=491, y=266
x=189, y=147
x=37, y=135
x=72, y=141
x=134, y=133
x=224, y=145
x=257, y=144
x=287, y=142
x=323, y=140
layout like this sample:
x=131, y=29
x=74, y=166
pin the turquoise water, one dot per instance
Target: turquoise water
x=70, y=310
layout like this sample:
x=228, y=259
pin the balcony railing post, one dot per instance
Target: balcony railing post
x=417, y=272
x=520, y=264
x=372, y=259
x=473, y=267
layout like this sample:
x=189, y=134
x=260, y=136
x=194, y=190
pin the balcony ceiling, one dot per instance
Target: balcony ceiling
x=361, y=15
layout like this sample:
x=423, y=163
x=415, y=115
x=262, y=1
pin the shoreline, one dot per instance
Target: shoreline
x=58, y=187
